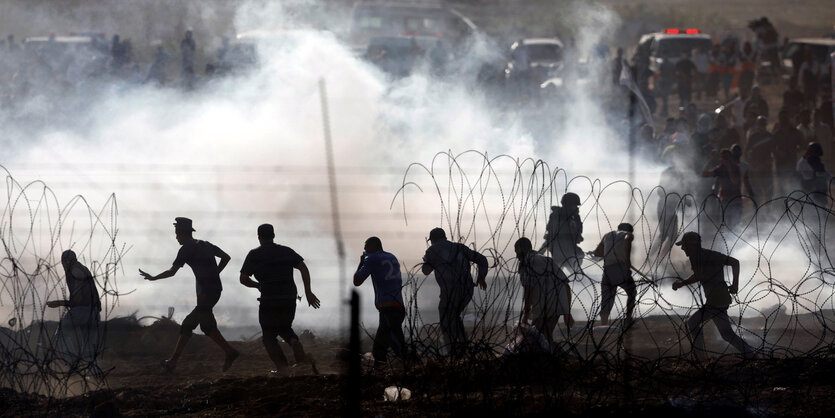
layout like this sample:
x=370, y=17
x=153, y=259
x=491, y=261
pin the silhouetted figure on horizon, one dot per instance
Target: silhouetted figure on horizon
x=671, y=201
x=118, y=53
x=685, y=73
x=787, y=146
x=814, y=176
x=759, y=152
x=384, y=270
x=272, y=265
x=451, y=263
x=546, y=295
x=187, y=49
x=200, y=256
x=708, y=269
x=78, y=331
x=729, y=181
x=616, y=250
x=156, y=72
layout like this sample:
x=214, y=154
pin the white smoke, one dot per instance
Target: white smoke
x=249, y=149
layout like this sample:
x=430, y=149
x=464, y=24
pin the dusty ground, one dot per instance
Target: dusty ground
x=651, y=376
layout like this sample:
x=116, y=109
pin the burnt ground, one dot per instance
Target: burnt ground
x=629, y=383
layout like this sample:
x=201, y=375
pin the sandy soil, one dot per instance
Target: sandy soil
x=650, y=375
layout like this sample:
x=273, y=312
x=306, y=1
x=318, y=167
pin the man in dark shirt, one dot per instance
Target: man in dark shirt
x=451, y=263
x=788, y=141
x=685, y=70
x=384, y=270
x=272, y=265
x=563, y=232
x=200, y=256
x=759, y=152
x=708, y=269
x=79, y=327
x=729, y=180
x=755, y=105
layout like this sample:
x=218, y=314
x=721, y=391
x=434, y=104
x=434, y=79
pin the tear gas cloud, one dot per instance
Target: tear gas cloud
x=248, y=149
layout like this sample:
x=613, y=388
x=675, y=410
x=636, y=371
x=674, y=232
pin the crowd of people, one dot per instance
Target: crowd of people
x=56, y=65
x=546, y=291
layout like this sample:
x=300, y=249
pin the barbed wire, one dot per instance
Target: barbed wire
x=41, y=356
x=784, y=308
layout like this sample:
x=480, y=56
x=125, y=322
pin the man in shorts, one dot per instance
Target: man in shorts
x=200, y=256
x=272, y=265
x=709, y=270
x=384, y=270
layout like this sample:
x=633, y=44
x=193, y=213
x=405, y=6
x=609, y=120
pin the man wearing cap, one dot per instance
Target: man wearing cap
x=546, y=294
x=200, y=256
x=272, y=265
x=563, y=232
x=616, y=250
x=451, y=263
x=708, y=269
x=384, y=270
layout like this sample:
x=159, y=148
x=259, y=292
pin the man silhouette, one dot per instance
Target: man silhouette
x=546, y=295
x=451, y=263
x=272, y=265
x=79, y=327
x=384, y=270
x=200, y=256
x=708, y=269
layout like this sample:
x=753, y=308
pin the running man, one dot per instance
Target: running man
x=709, y=269
x=384, y=270
x=272, y=265
x=616, y=250
x=546, y=294
x=451, y=263
x=200, y=256
x=78, y=331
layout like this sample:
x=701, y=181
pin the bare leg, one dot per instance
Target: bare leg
x=178, y=351
x=231, y=353
x=301, y=357
x=275, y=353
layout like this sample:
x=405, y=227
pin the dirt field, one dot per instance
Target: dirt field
x=651, y=372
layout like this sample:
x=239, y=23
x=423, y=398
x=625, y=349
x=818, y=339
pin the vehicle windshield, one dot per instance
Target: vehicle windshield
x=674, y=47
x=544, y=52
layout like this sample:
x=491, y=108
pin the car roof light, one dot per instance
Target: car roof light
x=691, y=31
x=672, y=31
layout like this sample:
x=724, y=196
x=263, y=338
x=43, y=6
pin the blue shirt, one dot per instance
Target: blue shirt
x=385, y=276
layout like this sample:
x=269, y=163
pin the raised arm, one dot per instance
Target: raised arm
x=361, y=274
x=312, y=300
